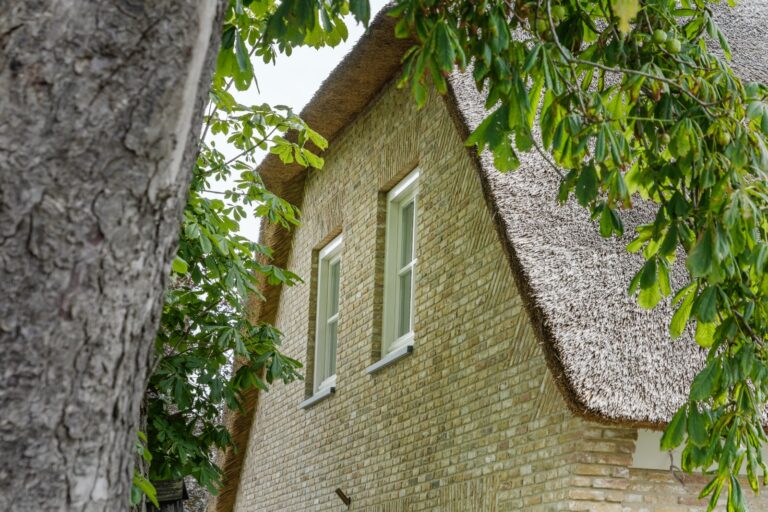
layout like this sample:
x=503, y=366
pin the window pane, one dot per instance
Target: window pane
x=333, y=285
x=406, y=234
x=404, y=304
x=331, y=348
x=328, y=291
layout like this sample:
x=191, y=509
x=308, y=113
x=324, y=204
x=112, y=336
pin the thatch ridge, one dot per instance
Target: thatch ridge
x=535, y=316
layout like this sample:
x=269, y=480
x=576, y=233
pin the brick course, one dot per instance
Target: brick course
x=472, y=420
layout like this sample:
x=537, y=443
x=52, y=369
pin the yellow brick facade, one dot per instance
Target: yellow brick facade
x=472, y=419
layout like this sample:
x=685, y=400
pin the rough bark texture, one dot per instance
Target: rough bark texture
x=99, y=108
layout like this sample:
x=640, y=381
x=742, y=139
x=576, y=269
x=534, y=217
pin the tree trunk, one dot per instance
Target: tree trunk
x=100, y=108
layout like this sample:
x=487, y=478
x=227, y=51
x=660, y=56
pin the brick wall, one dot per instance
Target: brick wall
x=472, y=419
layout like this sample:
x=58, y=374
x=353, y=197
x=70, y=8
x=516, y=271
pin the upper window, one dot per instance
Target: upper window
x=400, y=263
x=326, y=330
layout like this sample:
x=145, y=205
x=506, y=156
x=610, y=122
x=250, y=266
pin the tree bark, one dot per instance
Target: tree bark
x=100, y=108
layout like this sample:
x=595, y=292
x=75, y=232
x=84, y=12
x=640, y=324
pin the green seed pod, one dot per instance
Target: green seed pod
x=723, y=138
x=673, y=45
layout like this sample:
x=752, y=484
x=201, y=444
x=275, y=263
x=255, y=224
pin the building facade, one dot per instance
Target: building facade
x=434, y=382
x=471, y=419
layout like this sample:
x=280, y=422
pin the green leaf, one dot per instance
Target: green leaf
x=648, y=298
x=637, y=244
x=606, y=223
x=705, y=306
x=205, y=244
x=680, y=145
x=724, y=45
x=504, y=158
x=714, y=487
x=706, y=381
x=532, y=57
x=600, y=144
x=681, y=316
x=701, y=258
x=492, y=130
x=419, y=94
x=228, y=38
x=663, y=278
x=586, y=185
x=705, y=334
x=241, y=53
x=625, y=11
x=179, y=265
x=648, y=274
x=136, y=494
x=402, y=29
x=445, y=54
x=735, y=496
x=697, y=427
x=144, y=486
x=276, y=368
x=669, y=244
x=673, y=434
x=361, y=9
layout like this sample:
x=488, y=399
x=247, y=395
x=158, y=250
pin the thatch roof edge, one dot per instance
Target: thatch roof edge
x=536, y=315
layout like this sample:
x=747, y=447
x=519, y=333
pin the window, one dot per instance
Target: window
x=400, y=264
x=326, y=330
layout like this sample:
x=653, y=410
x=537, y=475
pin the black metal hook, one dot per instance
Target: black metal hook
x=343, y=497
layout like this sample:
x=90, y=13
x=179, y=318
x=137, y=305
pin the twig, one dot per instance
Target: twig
x=746, y=326
x=245, y=151
x=570, y=60
x=546, y=158
x=226, y=88
x=562, y=52
x=674, y=469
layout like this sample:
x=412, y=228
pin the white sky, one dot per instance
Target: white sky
x=292, y=81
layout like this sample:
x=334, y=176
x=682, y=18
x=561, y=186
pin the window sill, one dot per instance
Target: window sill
x=320, y=395
x=390, y=358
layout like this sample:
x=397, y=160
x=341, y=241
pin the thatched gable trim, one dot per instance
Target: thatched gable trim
x=535, y=314
x=531, y=299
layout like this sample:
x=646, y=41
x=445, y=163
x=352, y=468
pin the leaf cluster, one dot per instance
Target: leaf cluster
x=635, y=100
x=267, y=28
x=208, y=352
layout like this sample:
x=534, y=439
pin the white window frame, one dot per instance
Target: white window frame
x=329, y=255
x=401, y=195
x=648, y=455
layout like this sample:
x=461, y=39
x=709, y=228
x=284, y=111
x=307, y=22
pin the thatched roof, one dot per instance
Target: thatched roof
x=614, y=362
